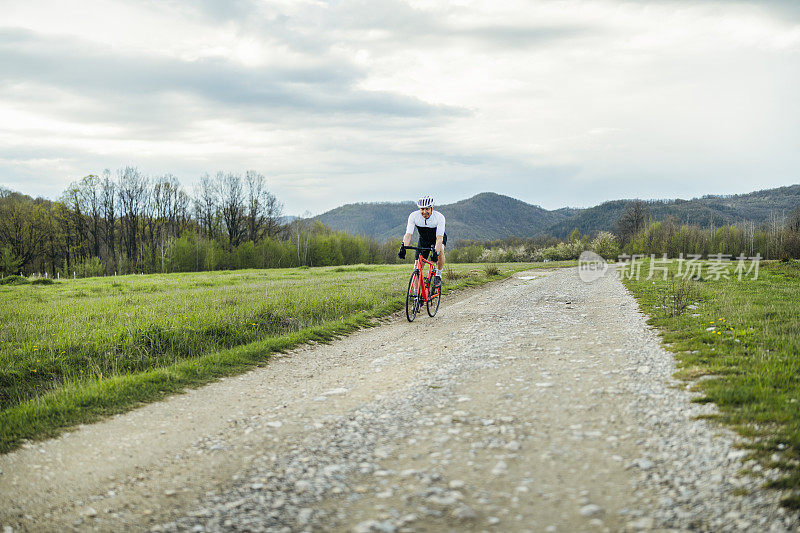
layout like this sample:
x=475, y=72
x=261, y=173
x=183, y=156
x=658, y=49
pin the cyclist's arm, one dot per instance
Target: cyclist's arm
x=439, y=247
x=409, y=230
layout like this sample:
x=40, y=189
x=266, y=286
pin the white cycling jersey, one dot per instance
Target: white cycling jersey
x=428, y=229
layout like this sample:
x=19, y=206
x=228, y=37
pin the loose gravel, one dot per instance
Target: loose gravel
x=541, y=403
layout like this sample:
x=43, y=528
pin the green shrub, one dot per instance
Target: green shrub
x=468, y=254
x=8, y=261
x=563, y=251
x=605, y=245
x=14, y=280
x=90, y=268
x=450, y=274
x=491, y=270
x=504, y=255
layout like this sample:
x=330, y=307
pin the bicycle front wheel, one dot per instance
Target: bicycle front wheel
x=412, y=297
x=433, y=302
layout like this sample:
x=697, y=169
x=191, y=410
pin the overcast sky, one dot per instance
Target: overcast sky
x=557, y=103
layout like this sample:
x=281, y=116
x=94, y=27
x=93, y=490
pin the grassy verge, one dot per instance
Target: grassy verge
x=78, y=350
x=743, y=336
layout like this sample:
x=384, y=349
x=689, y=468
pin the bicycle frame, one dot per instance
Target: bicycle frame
x=424, y=281
x=419, y=287
x=419, y=266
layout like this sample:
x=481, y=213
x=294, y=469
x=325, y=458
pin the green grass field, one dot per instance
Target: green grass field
x=77, y=350
x=745, y=336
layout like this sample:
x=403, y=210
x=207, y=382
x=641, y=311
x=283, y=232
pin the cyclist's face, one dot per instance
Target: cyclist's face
x=426, y=212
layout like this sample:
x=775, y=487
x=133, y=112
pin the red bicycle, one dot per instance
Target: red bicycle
x=419, y=286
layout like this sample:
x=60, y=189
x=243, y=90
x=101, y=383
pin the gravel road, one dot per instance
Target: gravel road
x=540, y=403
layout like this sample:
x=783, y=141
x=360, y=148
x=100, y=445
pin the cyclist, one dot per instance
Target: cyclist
x=430, y=225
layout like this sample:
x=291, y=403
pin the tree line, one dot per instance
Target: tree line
x=776, y=238
x=127, y=222
x=637, y=233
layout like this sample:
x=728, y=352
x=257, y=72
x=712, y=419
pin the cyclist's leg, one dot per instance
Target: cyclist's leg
x=425, y=253
x=440, y=261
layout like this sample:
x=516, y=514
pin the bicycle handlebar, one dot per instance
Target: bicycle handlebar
x=417, y=248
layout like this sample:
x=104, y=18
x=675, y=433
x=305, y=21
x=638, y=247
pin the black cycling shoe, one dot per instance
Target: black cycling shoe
x=437, y=283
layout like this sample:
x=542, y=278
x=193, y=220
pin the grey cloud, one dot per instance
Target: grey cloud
x=402, y=22
x=215, y=10
x=519, y=36
x=320, y=26
x=782, y=9
x=326, y=87
x=350, y=22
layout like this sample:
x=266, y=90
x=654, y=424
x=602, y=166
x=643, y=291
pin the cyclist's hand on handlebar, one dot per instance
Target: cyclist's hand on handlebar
x=402, y=253
x=434, y=256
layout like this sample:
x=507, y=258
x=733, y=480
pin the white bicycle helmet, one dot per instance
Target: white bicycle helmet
x=425, y=201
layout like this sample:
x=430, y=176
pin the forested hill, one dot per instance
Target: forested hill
x=704, y=212
x=489, y=216
x=482, y=217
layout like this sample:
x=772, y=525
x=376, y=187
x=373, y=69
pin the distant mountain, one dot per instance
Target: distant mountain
x=706, y=211
x=489, y=216
x=484, y=216
x=494, y=216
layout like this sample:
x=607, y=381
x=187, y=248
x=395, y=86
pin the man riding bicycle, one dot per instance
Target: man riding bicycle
x=430, y=225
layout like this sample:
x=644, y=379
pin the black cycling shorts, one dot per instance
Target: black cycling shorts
x=430, y=244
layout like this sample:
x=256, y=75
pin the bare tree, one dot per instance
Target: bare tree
x=302, y=233
x=150, y=223
x=76, y=223
x=108, y=201
x=633, y=220
x=791, y=243
x=793, y=222
x=263, y=209
x=255, y=190
x=232, y=206
x=173, y=203
x=273, y=216
x=179, y=212
x=207, y=206
x=132, y=188
x=168, y=205
x=775, y=225
x=89, y=195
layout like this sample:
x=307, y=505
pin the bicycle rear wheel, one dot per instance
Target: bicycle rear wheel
x=412, y=297
x=433, y=302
